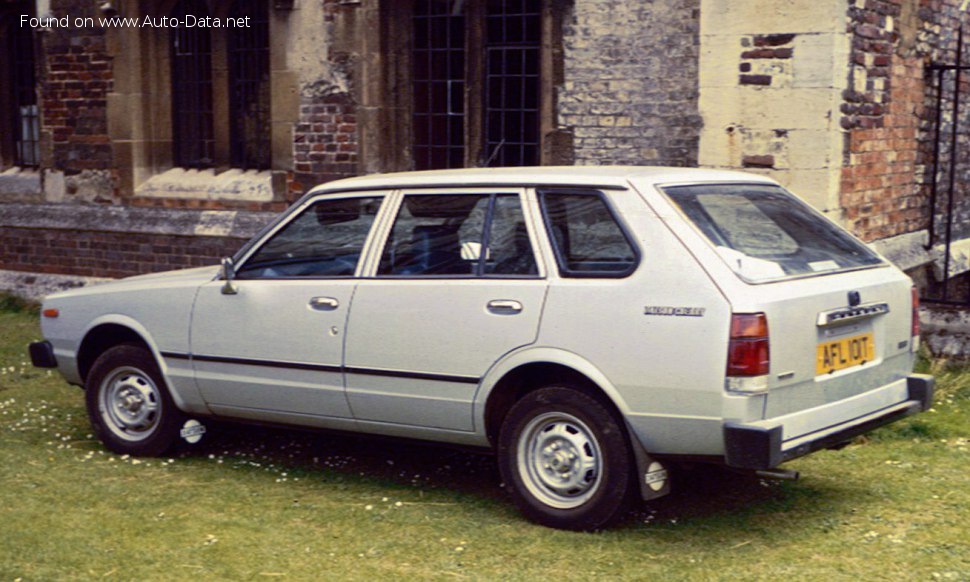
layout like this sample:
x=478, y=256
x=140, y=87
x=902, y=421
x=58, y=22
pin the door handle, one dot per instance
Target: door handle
x=504, y=306
x=324, y=303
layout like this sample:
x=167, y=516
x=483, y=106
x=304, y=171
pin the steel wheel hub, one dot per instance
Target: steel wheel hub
x=559, y=460
x=130, y=404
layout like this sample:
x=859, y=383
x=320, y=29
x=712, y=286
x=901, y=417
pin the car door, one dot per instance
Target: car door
x=277, y=343
x=456, y=285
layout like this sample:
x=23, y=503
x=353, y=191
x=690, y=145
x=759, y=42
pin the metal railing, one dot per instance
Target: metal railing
x=940, y=72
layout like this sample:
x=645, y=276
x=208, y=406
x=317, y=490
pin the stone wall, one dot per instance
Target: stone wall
x=938, y=40
x=630, y=89
x=771, y=79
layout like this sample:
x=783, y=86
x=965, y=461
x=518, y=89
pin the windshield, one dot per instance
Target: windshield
x=764, y=233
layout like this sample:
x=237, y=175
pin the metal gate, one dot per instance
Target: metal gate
x=950, y=180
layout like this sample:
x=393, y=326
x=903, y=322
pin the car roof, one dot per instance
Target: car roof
x=616, y=177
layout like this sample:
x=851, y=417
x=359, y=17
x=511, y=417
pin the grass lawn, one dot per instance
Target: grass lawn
x=256, y=504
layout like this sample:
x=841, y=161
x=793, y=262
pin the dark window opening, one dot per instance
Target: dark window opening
x=192, y=135
x=512, y=43
x=249, y=87
x=438, y=84
x=23, y=95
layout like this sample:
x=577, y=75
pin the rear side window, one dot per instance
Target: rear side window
x=764, y=233
x=586, y=236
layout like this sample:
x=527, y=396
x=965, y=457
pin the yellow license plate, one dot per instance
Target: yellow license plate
x=844, y=353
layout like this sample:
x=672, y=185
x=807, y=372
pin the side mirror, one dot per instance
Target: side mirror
x=228, y=274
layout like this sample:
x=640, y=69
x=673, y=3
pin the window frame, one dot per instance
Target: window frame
x=400, y=54
x=393, y=210
x=239, y=86
x=376, y=230
x=561, y=263
x=195, y=150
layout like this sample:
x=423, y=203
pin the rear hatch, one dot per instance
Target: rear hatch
x=824, y=349
x=839, y=316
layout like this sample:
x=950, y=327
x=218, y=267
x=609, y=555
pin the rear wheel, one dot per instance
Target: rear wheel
x=129, y=405
x=566, y=460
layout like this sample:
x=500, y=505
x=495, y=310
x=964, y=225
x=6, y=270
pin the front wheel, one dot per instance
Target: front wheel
x=566, y=460
x=129, y=405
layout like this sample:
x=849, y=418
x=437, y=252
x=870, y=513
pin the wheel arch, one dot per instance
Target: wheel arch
x=106, y=333
x=525, y=371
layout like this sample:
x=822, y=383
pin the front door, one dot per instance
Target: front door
x=456, y=287
x=277, y=343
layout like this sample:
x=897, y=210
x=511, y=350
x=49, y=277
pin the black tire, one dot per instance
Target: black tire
x=566, y=460
x=129, y=404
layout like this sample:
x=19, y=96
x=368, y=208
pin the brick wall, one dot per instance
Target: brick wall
x=881, y=191
x=630, y=91
x=116, y=241
x=325, y=142
x=889, y=114
x=102, y=254
x=74, y=87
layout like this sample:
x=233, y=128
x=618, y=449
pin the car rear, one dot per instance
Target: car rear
x=823, y=331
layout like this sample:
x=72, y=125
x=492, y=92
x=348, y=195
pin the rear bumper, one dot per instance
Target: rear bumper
x=42, y=355
x=761, y=447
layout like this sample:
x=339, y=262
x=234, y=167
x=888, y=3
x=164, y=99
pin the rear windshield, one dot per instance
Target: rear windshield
x=764, y=233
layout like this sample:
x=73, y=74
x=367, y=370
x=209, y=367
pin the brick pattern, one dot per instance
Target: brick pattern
x=765, y=57
x=108, y=254
x=325, y=141
x=880, y=194
x=74, y=88
x=631, y=77
x=888, y=114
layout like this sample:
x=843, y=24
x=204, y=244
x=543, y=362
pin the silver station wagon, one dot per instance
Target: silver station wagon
x=592, y=326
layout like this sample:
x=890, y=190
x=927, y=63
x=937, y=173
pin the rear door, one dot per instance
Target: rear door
x=457, y=286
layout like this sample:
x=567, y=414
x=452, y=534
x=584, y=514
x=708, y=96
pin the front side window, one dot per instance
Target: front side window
x=587, y=239
x=325, y=240
x=764, y=233
x=459, y=235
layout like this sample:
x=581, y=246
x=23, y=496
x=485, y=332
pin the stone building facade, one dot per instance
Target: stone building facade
x=130, y=146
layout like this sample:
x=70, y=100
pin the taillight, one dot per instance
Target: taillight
x=748, y=358
x=915, y=320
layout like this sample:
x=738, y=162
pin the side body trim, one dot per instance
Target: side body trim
x=323, y=368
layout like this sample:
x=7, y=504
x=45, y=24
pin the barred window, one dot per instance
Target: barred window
x=512, y=42
x=249, y=86
x=192, y=135
x=439, y=86
x=475, y=82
